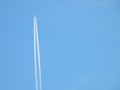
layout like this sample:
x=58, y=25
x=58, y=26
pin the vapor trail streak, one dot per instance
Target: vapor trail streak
x=38, y=50
x=35, y=61
x=38, y=82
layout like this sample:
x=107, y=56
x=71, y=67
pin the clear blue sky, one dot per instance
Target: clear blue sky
x=79, y=41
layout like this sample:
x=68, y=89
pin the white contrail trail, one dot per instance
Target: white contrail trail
x=37, y=69
x=35, y=61
x=38, y=50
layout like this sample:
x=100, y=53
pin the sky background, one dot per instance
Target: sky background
x=79, y=42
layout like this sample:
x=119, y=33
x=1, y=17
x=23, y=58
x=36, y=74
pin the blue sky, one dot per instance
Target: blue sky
x=79, y=41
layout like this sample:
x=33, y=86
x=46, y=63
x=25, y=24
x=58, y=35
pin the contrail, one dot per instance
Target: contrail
x=39, y=65
x=37, y=69
x=35, y=62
